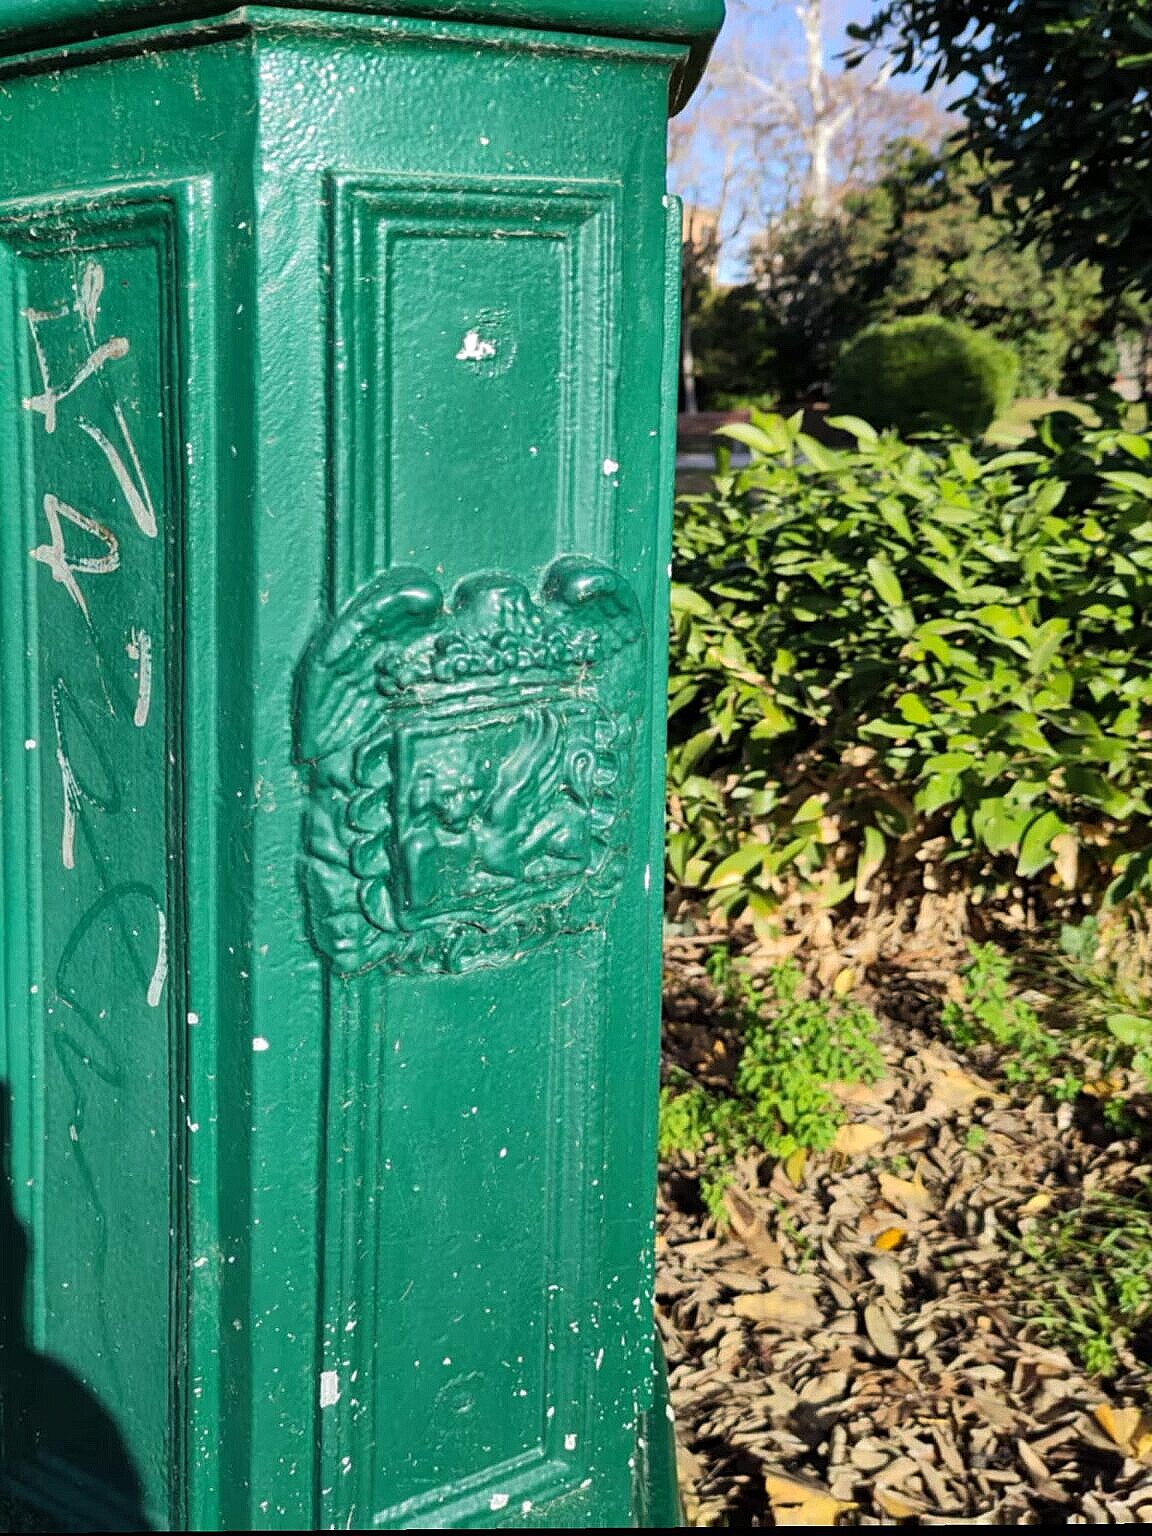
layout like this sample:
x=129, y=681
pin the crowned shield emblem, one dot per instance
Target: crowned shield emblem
x=471, y=764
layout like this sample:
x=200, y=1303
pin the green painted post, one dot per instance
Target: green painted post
x=337, y=400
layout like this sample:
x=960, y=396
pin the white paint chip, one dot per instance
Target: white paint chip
x=497, y=1501
x=30, y=744
x=329, y=1389
x=259, y=1043
x=569, y=1442
x=610, y=466
x=193, y=1018
x=475, y=349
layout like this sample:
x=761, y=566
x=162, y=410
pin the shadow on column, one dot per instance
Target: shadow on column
x=63, y=1462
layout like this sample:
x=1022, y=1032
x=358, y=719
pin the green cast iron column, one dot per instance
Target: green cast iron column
x=337, y=400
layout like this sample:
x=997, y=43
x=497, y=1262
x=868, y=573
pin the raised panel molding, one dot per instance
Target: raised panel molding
x=477, y=627
x=92, y=341
x=497, y=297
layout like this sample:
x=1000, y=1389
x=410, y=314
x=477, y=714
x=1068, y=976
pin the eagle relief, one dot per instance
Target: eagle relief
x=471, y=763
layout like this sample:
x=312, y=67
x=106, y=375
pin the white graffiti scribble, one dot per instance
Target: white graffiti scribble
x=160, y=972
x=139, y=648
x=87, y=306
x=56, y=558
x=137, y=495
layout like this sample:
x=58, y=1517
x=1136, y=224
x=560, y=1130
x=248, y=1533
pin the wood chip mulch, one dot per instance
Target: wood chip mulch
x=855, y=1349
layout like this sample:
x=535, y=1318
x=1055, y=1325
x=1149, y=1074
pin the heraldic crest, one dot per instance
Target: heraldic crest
x=471, y=765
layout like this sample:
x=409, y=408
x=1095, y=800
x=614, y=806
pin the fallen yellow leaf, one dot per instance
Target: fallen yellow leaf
x=870, y=1095
x=1128, y=1428
x=797, y=1503
x=891, y=1237
x=895, y=1505
x=795, y=1164
x=844, y=982
x=1038, y=1203
x=909, y=1194
x=1103, y=1087
x=957, y=1090
x=783, y=1306
x=854, y=1139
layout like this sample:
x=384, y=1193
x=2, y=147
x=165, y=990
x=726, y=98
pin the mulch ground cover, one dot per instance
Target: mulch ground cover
x=856, y=1345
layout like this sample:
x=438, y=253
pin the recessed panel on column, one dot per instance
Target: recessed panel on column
x=90, y=500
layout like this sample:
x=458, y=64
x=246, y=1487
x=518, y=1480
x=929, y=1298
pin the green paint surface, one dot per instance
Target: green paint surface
x=336, y=416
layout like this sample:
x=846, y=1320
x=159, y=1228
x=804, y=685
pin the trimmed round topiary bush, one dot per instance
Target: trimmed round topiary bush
x=923, y=374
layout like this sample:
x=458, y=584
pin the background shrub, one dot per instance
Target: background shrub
x=925, y=373
x=920, y=664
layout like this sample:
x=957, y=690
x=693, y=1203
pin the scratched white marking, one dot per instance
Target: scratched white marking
x=139, y=648
x=90, y=293
x=87, y=306
x=47, y=401
x=71, y=792
x=135, y=492
x=474, y=348
x=329, y=1389
x=160, y=973
x=55, y=556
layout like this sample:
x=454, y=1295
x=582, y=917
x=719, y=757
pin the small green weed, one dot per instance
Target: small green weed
x=685, y=1116
x=794, y=1047
x=716, y=1179
x=791, y=1233
x=1091, y=1271
x=989, y=1014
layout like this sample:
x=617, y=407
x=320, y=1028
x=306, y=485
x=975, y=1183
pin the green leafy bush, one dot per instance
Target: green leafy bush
x=914, y=663
x=924, y=373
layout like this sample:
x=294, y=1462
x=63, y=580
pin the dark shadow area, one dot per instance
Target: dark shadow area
x=63, y=1462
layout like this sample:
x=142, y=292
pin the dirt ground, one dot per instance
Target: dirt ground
x=856, y=1347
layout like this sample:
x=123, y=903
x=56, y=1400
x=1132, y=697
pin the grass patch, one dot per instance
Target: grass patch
x=1091, y=1270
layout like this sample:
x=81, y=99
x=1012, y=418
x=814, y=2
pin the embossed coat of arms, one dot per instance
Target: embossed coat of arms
x=471, y=764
